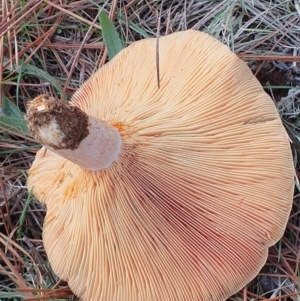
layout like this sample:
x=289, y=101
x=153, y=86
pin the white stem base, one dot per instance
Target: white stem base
x=98, y=150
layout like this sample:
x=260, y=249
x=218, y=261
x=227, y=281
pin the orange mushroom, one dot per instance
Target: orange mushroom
x=196, y=186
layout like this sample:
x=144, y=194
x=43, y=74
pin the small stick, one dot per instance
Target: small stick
x=157, y=47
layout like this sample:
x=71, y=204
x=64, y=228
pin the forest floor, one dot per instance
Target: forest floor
x=52, y=47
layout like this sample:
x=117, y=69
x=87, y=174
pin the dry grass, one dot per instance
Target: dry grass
x=53, y=46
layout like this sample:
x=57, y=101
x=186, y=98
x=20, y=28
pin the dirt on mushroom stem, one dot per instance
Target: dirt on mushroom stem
x=69, y=132
x=72, y=122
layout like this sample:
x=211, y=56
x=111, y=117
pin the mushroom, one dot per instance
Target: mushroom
x=191, y=183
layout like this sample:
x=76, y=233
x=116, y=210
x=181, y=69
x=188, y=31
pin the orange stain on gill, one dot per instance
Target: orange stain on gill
x=119, y=126
x=59, y=178
x=74, y=187
x=71, y=191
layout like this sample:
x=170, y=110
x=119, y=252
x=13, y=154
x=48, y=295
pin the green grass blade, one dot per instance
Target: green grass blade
x=27, y=69
x=39, y=73
x=23, y=214
x=16, y=125
x=111, y=38
x=10, y=109
x=139, y=30
x=11, y=295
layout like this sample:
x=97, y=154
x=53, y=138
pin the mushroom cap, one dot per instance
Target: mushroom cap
x=202, y=188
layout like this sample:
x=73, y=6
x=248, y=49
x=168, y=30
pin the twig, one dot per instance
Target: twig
x=157, y=46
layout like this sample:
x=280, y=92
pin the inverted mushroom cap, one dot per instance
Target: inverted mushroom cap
x=202, y=188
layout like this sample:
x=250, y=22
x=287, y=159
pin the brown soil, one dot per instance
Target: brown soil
x=280, y=74
x=72, y=122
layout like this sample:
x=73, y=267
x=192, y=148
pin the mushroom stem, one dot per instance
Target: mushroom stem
x=69, y=132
